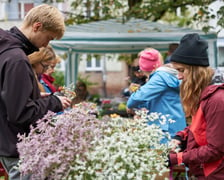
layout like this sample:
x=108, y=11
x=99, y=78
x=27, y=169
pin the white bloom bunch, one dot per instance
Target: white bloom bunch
x=78, y=145
x=129, y=149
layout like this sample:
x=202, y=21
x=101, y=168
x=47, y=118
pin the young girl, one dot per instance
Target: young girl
x=202, y=101
x=160, y=93
x=41, y=61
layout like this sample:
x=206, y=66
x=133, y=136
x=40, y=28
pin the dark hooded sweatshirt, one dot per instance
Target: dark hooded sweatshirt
x=20, y=101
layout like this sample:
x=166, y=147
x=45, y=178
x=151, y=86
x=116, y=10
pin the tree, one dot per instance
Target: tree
x=153, y=10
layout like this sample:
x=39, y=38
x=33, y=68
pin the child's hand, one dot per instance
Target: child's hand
x=44, y=94
x=134, y=87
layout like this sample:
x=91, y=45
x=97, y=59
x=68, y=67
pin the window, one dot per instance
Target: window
x=221, y=56
x=24, y=8
x=93, y=62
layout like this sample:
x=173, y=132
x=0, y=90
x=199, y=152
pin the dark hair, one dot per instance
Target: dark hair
x=135, y=68
x=173, y=47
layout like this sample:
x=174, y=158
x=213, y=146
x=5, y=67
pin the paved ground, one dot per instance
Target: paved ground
x=8, y=24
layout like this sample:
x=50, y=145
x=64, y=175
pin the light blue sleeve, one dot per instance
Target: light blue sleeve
x=46, y=88
x=149, y=91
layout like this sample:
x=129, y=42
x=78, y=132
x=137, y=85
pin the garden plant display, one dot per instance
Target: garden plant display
x=67, y=91
x=78, y=145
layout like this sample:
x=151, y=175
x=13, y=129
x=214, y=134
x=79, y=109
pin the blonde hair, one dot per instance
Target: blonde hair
x=191, y=88
x=44, y=54
x=51, y=18
x=57, y=59
x=40, y=86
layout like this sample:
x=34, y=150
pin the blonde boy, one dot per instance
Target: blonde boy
x=20, y=101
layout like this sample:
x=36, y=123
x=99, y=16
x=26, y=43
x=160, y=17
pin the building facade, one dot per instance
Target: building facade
x=108, y=74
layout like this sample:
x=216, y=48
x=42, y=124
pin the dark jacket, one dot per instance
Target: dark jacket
x=204, y=154
x=20, y=101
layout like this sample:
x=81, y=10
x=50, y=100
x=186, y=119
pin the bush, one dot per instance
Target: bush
x=59, y=78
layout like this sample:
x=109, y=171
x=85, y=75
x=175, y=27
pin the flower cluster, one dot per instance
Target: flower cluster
x=88, y=107
x=51, y=146
x=67, y=91
x=77, y=145
x=129, y=149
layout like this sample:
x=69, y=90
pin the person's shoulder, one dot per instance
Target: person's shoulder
x=9, y=39
x=17, y=57
x=159, y=75
x=11, y=47
x=213, y=92
x=218, y=77
x=14, y=58
x=212, y=98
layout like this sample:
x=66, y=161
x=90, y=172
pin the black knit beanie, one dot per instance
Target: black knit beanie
x=192, y=51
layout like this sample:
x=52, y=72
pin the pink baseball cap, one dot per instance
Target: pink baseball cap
x=149, y=59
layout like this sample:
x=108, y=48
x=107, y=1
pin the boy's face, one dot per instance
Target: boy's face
x=41, y=38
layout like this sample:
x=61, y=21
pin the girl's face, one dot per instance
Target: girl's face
x=41, y=67
x=182, y=70
x=51, y=69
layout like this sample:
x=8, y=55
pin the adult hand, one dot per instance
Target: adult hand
x=130, y=111
x=175, y=144
x=66, y=102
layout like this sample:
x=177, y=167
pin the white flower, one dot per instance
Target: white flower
x=119, y=148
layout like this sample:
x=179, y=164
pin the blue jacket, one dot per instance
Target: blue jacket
x=161, y=94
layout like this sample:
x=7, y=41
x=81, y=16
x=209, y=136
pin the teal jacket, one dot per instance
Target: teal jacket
x=161, y=94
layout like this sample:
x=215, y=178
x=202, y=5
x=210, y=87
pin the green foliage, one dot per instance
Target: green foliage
x=154, y=10
x=95, y=98
x=122, y=106
x=128, y=58
x=59, y=78
x=96, y=56
x=221, y=17
x=86, y=80
x=181, y=21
